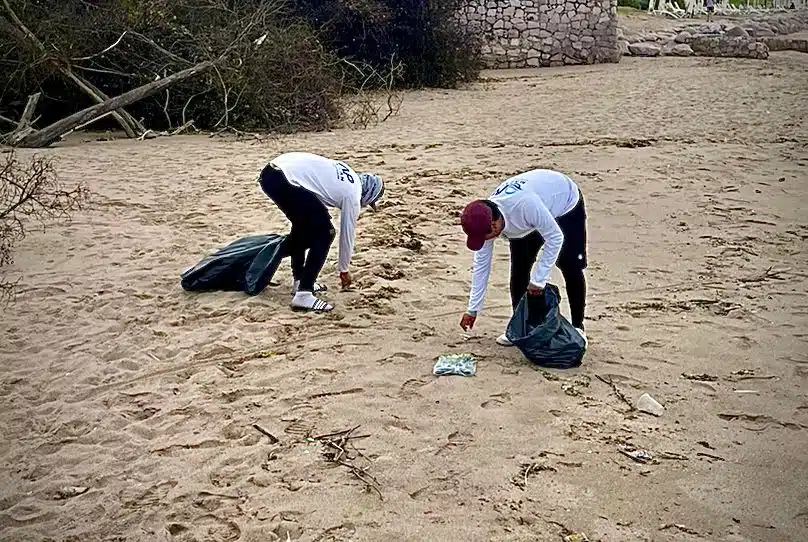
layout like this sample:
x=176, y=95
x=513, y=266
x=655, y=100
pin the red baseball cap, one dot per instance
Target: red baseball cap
x=476, y=221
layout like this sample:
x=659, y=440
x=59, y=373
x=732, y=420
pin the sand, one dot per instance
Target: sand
x=118, y=381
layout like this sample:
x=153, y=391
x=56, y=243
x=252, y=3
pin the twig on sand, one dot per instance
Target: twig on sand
x=337, y=452
x=363, y=476
x=770, y=273
x=680, y=527
x=526, y=469
x=272, y=438
x=616, y=391
x=331, y=393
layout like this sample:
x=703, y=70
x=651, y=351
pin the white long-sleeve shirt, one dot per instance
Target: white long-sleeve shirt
x=530, y=201
x=335, y=184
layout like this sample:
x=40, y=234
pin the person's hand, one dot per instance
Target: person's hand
x=345, y=279
x=467, y=322
x=534, y=290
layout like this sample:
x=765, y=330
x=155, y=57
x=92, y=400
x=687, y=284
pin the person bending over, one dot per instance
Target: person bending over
x=302, y=184
x=533, y=209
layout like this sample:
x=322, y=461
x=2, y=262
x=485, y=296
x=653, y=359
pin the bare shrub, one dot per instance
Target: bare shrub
x=30, y=192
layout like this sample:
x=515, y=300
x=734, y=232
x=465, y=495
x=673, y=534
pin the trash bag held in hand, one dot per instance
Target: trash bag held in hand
x=247, y=264
x=539, y=330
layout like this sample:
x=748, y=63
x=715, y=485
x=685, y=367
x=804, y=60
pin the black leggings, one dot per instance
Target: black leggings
x=311, y=226
x=571, y=261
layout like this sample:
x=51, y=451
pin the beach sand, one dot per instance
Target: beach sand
x=694, y=169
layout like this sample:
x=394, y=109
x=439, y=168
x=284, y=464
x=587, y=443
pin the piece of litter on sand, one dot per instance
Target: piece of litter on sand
x=576, y=537
x=648, y=404
x=755, y=392
x=455, y=364
x=68, y=492
x=640, y=456
x=701, y=377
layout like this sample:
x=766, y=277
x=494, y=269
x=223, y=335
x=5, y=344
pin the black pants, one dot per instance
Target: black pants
x=571, y=261
x=311, y=226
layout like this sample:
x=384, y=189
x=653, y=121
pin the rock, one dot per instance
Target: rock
x=643, y=49
x=667, y=49
x=682, y=37
x=682, y=49
x=736, y=32
x=648, y=404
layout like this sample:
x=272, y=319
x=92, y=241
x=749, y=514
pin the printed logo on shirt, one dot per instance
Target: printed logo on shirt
x=510, y=187
x=344, y=172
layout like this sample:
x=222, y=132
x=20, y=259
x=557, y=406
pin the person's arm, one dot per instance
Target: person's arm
x=540, y=218
x=349, y=213
x=480, y=272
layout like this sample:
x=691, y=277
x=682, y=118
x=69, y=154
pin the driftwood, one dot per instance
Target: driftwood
x=24, y=127
x=17, y=28
x=51, y=133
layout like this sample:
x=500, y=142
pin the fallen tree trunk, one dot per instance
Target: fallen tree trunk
x=51, y=133
x=130, y=125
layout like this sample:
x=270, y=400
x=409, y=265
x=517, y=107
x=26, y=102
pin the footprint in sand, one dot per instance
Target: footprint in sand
x=742, y=341
x=24, y=514
x=137, y=496
x=497, y=399
x=301, y=418
x=458, y=439
x=234, y=395
x=396, y=357
x=207, y=527
x=410, y=387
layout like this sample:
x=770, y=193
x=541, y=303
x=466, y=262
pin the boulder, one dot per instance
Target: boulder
x=644, y=49
x=736, y=32
x=622, y=45
x=682, y=37
x=681, y=49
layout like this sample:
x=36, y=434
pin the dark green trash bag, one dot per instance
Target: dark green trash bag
x=539, y=330
x=246, y=265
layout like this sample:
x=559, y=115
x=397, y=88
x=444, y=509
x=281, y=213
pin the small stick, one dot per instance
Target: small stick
x=336, y=433
x=770, y=273
x=616, y=391
x=359, y=473
x=272, y=438
x=711, y=456
x=330, y=393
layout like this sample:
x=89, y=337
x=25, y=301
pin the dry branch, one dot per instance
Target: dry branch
x=30, y=192
x=131, y=126
x=24, y=127
x=770, y=273
x=337, y=452
x=49, y=134
x=616, y=391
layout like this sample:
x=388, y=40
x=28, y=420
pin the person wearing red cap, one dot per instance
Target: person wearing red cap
x=535, y=209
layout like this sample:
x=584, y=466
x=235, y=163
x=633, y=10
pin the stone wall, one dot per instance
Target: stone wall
x=747, y=38
x=525, y=33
